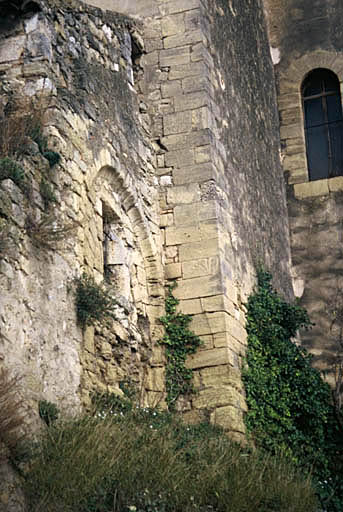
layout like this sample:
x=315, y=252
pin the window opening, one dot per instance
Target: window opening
x=323, y=121
x=115, y=254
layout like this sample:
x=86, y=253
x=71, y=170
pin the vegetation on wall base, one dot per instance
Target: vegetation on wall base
x=130, y=459
x=290, y=408
x=179, y=342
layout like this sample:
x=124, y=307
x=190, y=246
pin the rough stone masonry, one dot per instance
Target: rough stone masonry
x=167, y=130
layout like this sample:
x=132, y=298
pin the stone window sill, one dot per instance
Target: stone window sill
x=318, y=187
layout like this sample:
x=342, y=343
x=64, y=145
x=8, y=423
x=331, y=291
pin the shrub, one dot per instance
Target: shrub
x=93, y=302
x=179, y=342
x=290, y=408
x=11, y=417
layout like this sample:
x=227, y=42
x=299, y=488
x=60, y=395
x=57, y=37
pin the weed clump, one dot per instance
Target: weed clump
x=48, y=412
x=9, y=169
x=93, y=302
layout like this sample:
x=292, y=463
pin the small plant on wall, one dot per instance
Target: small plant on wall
x=93, y=302
x=179, y=342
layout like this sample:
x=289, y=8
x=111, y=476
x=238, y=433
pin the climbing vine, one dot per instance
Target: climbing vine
x=290, y=407
x=179, y=342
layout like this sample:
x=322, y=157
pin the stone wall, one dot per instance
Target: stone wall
x=170, y=170
x=307, y=36
x=78, y=62
x=215, y=131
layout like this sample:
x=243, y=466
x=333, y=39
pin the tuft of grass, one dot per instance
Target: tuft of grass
x=48, y=412
x=93, y=302
x=146, y=460
x=12, y=170
x=21, y=121
x=46, y=232
x=11, y=417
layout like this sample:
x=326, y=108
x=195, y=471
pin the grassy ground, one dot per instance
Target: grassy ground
x=147, y=460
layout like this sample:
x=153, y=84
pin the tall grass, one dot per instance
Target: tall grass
x=148, y=462
x=22, y=120
x=11, y=417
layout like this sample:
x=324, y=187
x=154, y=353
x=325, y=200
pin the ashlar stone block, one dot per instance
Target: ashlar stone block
x=311, y=189
x=185, y=38
x=202, y=249
x=173, y=24
x=229, y=418
x=175, y=56
x=219, y=396
x=206, y=358
x=191, y=233
x=177, y=123
x=194, y=174
x=175, y=6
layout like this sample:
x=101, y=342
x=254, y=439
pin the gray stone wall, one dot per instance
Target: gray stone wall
x=79, y=62
x=250, y=187
x=305, y=36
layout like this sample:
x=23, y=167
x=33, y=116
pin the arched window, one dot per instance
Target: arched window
x=323, y=124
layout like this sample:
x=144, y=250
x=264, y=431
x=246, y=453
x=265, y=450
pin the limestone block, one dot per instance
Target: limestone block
x=12, y=48
x=206, y=358
x=181, y=39
x=198, y=287
x=224, y=375
x=335, y=184
x=175, y=6
x=88, y=339
x=298, y=176
x=194, y=174
x=158, y=358
x=171, y=89
x=198, y=211
x=173, y=271
x=191, y=233
x=202, y=249
x=177, y=123
x=293, y=162
x=187, y=70
x=229, y=418
x=191, y=101
x=190, y=307
x=175, y=56
x=180, y=159
x=311, y=189
x=197, y=268
x=219, y=396
x=203, y=154
x=155, y=379
x=177, y=142
x=172, y=25
x=291, y=131
x=207, y=342
x=221, y=339
x=216, y=303
x=184, y=194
